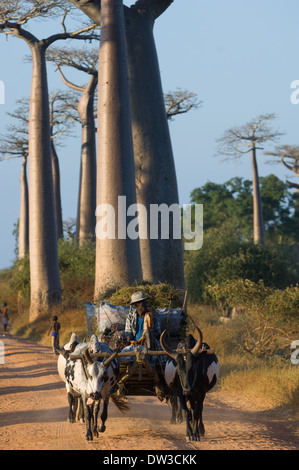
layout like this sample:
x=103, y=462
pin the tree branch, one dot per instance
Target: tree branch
x=67, y=82
x=91, y=8
x=159, y=6
x=75, y=35
x=19, y=32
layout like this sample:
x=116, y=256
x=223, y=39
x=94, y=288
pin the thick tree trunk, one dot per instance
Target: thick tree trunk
x=156, y=183
x=57, y=192
x=24, y=215
x=86, y=219
x=44, y=266
x=162, y=260
x=117, y=260
x=258, y=219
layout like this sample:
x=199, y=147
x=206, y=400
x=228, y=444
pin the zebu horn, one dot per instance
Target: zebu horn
x=88, y=357
x=198, y=345
x=110, y=359
x=61, y=351
x=74, y=357
x=166, y=348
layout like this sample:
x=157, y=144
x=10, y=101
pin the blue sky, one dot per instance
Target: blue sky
x=239, y=56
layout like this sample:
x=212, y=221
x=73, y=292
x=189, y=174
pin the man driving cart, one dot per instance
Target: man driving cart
x=142, y=323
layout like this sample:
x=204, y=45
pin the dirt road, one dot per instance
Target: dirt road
x=33, y=411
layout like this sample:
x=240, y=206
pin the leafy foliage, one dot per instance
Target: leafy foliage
x=232, y=201
x=76, y=265
x=226, y=256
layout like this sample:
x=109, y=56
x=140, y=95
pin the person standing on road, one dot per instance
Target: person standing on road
x=54, y=330
x=4, y=315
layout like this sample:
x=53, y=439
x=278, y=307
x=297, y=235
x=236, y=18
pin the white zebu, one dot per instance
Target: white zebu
x=75, y=405
x=90, y=380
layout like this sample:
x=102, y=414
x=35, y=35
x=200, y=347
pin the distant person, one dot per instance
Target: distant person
x=4, y=315
x=54, y=330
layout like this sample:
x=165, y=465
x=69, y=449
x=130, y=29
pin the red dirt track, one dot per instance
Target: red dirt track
x=33, y=412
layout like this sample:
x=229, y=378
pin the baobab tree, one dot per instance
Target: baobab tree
x=239, y=141
x=14, y=144
x=156, y=183
x=84, y=60
x=62, y=117
x=117, y=255
x=180, y=102
x=45, y=286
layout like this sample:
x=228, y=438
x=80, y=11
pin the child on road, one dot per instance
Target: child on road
x=54, y=330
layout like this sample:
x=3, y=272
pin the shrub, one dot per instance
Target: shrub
x=225, y=255
x=270, y=318
x=77, y=266
x=159, y=294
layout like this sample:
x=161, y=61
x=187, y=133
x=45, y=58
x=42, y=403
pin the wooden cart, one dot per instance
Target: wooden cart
x=137, y=377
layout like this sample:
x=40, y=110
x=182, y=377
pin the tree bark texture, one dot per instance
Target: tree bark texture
x=156, y=183
x=57, y=192
x=117, y=260
x=86, y=219
x=24, y=215
x=162, y=260
x=44, y=266
x=258, y=220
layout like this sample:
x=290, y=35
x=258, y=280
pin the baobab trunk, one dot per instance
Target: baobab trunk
x=117, y=259
x=24, y=216
x=156, y=183
x=162, y=260
x=258, y=219
x=44, y=267
x=57, y=192
x=86, y=219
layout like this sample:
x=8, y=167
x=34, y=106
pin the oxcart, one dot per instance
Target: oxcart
x=140, y=368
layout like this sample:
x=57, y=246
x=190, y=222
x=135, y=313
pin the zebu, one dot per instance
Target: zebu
x=197, y=369
x=91, y=380
x=75, y=404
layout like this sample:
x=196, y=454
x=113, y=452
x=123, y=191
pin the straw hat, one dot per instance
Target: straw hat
x=138, y=297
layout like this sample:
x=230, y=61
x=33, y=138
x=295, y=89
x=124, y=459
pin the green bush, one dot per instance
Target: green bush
x=20, y=279
x=77, y=267
x=225, y=255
